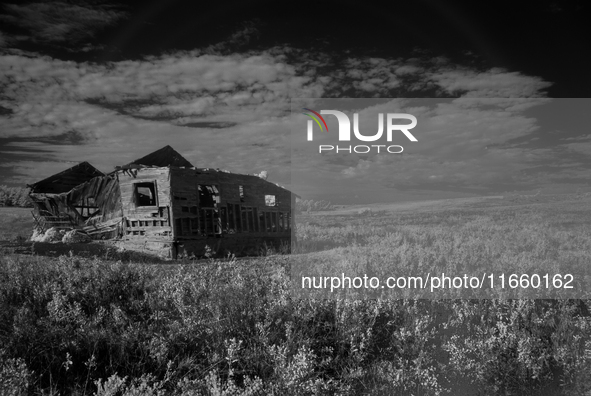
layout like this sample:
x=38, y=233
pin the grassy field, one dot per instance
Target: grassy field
x=15, y=222
x=463, y=236
x=75, y=325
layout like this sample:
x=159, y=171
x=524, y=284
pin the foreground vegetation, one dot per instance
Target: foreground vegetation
x=225, y=327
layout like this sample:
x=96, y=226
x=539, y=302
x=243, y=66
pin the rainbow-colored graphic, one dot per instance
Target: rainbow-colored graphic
x=316, y=119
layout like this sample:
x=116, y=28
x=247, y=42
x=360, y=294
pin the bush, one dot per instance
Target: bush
x=15, y=376
x=14, y=196
x=311, y=205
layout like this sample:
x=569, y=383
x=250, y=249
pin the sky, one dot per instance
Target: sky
x=108, y=82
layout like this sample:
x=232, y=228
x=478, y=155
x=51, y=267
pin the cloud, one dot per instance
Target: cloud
x=581, y=145
x=61, y=23
x=3, y=40
x=247, y=33
x=493, y=83
x=209, y=124
x=464, y=145
x=231, y=111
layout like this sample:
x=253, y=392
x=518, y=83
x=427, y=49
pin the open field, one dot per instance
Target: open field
x=15, y=222
x=462, y=236
x=83, y=325
x=505, y=201
x=404, y=207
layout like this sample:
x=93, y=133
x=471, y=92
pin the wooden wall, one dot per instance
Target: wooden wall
x=188, y=211
x=150, y=223
x=179, y=223
x=239, y=245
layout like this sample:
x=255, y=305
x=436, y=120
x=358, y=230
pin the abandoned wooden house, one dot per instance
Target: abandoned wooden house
x=161, y=203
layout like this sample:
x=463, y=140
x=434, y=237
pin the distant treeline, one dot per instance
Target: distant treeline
x=310, y=205
x=15, y=196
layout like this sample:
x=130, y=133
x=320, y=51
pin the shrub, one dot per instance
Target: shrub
x=15, y=376
x=14, y=196
x=310, y=205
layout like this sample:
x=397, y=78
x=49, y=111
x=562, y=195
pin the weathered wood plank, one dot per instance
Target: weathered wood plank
x=150, y=228
x=147, y=218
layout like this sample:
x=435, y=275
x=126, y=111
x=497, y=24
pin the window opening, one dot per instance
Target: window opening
x=270, y=200
x=209, y=196
x=145, y=194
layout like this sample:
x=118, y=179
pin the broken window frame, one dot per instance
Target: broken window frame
x=244, y=219
x=241, y=192
x=250, y=219
x=209, y=222
x=268, y=222
x=86, y=207
x=231, y=220
x=152, y=185
x=270, y=200
x=238, y=217
x=224, y=219
x=206, y=191
x=262, y=225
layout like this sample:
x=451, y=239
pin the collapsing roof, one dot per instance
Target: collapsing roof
x=166, y=156
x=66, y=180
